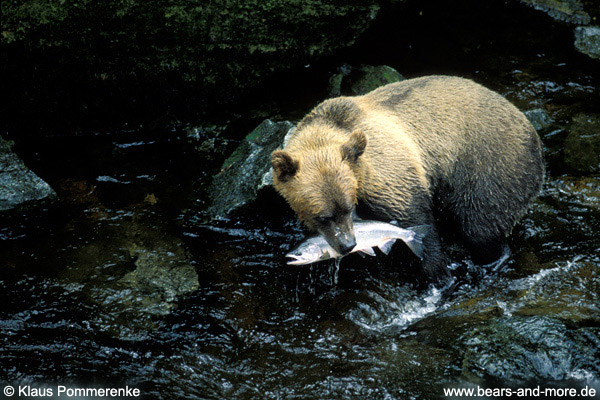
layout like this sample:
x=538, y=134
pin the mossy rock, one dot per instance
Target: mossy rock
x=219, y=49
x=248, y=170
x=132, y=271
x=358, y=81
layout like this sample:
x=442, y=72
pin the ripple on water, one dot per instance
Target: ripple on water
x=393, y=308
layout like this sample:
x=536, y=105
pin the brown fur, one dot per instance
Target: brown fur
x=432, y=145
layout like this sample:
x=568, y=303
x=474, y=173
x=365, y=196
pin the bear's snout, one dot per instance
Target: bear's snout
x=347, y=246
x=344, y=238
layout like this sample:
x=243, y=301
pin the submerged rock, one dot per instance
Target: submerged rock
x=19, y=186
x=132, y=272
x=538, y=349
x=162, y=275
x=248, y=170
x=359, y=81
x=571, y=11
x=587, y=40
x=582, y=145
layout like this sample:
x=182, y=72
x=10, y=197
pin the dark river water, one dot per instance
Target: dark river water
x=121, y=282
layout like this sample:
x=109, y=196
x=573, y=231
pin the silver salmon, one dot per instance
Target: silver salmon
x=368, y=234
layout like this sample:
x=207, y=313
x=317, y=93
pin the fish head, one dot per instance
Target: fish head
x=323, y=188
x=306, y=253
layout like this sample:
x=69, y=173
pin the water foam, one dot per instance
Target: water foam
x=396, y=308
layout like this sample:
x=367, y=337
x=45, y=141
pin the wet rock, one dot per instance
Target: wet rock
x=359, y=81
x=19, y=186
x=248, y=170
x=587, y=40
x=539, y=118
x=582, y=145
x=198, y=134
x=571, y=11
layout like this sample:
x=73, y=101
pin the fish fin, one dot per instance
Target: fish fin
x=368, y=251
x=420, y=229
x=386, y=247
x=416, y=244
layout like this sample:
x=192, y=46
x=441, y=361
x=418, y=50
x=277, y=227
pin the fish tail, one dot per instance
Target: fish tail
x=420, y=229
x=416, y=244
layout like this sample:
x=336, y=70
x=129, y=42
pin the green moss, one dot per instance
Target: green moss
x=358, y=81
x=374, y=77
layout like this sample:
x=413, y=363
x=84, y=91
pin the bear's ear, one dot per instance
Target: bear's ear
x=284, y=165
x=355, y=146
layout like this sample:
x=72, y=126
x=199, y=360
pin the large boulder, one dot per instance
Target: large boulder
x=216, y=50
x=248, y=170
x=19, y=186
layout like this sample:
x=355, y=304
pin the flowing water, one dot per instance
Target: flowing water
x=85, y=300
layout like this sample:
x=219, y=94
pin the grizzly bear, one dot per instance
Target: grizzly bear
x=420, y=151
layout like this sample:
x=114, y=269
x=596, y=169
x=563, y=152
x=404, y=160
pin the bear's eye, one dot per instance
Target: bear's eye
x=323, y=219
x=346, y=210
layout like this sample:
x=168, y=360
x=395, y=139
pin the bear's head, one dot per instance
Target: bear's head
x=320, y=184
